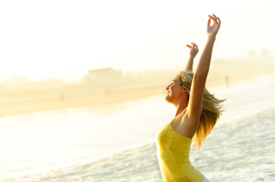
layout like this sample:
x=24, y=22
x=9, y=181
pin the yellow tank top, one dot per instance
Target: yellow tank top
x=173, y=156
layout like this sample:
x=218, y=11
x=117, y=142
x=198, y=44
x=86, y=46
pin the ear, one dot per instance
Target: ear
x=185, y=91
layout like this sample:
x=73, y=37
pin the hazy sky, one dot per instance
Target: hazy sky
x=65, y=38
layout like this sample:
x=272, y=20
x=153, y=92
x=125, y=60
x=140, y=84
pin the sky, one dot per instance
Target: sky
x=66, y=38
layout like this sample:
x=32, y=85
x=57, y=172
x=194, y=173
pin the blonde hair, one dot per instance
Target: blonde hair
x=211, y=110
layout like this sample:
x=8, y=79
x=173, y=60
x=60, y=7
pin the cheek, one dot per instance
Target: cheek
x=175, y=91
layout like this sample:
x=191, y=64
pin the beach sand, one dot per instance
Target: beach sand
x=14, y=102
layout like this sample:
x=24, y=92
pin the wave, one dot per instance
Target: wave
x=243, y=146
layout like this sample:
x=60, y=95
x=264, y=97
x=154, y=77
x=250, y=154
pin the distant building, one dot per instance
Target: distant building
x=265, y=55
x=252, y=56
x=17, y=80
x=105, y=76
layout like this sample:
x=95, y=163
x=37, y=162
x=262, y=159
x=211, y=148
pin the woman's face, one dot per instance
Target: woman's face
x=174, y=91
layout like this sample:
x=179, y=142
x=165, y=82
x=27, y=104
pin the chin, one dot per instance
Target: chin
x=168, y=99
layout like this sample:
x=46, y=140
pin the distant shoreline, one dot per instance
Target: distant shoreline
x=223, y=72
x=22, y=107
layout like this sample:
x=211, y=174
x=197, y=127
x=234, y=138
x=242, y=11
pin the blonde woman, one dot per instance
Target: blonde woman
x=196, y=114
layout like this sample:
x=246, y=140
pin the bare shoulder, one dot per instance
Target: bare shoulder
x=185, y=126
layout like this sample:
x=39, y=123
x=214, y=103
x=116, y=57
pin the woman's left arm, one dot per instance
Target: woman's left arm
x=193, y=52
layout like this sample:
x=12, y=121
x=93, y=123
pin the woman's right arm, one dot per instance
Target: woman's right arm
x=194, y=107
x=200, y=75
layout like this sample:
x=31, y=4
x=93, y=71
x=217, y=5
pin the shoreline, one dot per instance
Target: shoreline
x=23, y=107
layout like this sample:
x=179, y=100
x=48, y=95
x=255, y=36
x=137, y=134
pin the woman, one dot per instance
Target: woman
x=196, y=115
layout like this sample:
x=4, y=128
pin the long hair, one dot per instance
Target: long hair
x=211, y=110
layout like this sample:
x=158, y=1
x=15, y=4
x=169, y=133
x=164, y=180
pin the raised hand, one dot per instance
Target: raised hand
x=213, y=29
x=193, y=52
x=194, y=49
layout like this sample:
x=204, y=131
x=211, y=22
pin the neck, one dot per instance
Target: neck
x=180, y=107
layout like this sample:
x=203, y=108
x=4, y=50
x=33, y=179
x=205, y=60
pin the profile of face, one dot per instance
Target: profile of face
x=175, y=91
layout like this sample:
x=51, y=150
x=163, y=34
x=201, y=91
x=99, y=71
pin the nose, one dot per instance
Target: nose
x=167, y=88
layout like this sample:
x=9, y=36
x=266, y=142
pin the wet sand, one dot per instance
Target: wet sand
x=22, y=107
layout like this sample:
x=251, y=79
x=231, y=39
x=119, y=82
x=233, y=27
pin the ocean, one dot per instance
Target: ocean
x=116, y=143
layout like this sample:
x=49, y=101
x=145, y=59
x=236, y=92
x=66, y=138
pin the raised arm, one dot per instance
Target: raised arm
x=194, y=107
x=193, y=52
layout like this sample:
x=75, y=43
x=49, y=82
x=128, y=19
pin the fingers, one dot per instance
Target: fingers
x=208, y=22
x=189, y=46
x=192, y=46
x=219, y=21
x=215, y=19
